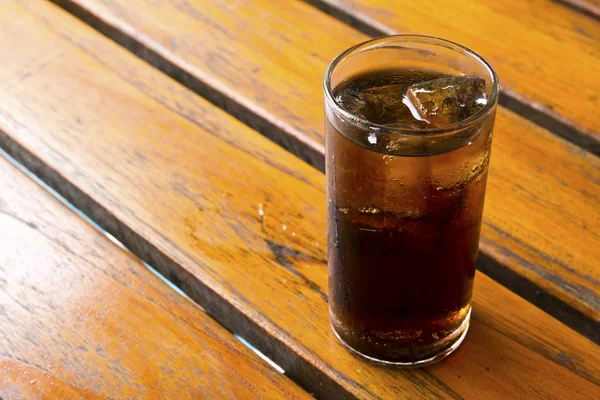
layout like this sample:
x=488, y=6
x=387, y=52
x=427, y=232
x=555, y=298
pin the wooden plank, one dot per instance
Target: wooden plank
x=529, y=43
x=82, y=318
x=206, y=41
x=181, y=183
x=541, y=220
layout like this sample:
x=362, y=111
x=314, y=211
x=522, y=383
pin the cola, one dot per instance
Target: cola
x=406, y=173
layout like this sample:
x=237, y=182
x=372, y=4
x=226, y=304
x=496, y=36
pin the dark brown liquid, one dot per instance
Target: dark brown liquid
x=403, y=236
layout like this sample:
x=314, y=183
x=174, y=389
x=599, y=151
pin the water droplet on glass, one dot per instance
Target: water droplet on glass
x=372, y=138
x=369, y=210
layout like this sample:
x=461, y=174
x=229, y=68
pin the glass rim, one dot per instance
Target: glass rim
x=385, y=41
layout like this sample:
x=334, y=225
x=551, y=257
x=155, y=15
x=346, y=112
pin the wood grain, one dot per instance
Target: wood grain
x=20, y=380
x=541, y=219
x=539, y=38
x=82, y=318
x=529, y=43
x=181, y=183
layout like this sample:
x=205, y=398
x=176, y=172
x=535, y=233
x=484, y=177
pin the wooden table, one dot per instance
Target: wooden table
x=186, y=129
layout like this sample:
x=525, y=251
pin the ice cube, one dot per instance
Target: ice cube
x=448, y=100
x=375, y=104
x=391, y=91
x=383, y=105
x=352, y=101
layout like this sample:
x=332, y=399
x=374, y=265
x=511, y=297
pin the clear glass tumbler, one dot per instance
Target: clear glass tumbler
x=409, y=124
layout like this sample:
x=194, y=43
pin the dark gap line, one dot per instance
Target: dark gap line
x=261, y=124
x=277, y=134
x=535, y=295
x=553, y=123
x=368, y=28
x=114, y=240
x=308, y=376
x=580, y=7
x=87, y=219
x=500, y=273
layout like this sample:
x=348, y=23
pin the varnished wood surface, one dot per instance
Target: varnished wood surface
x=82, y=319
x=182, y=184
x=20, y=380
x=547, y=56
x=541, y=219
x=532, y=45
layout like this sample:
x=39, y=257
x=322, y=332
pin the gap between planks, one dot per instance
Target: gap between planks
x=556, y=124
x=302, y=372
x=86, y=218
x=312, y=153
x=585, y=7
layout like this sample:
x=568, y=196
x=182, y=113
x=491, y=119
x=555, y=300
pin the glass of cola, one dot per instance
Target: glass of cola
x=409, y=123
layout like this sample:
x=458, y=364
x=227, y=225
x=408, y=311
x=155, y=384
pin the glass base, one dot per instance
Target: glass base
x=446, y=347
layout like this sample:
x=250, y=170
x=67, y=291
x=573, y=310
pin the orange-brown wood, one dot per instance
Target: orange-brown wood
x=541, y=217
x=20, y=380
x=82, y=318
x=547, y=56
x=238, y=47
x=181, y=183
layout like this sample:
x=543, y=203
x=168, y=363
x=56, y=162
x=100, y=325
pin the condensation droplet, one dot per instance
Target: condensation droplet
x=372, y=138
x=369, y=210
